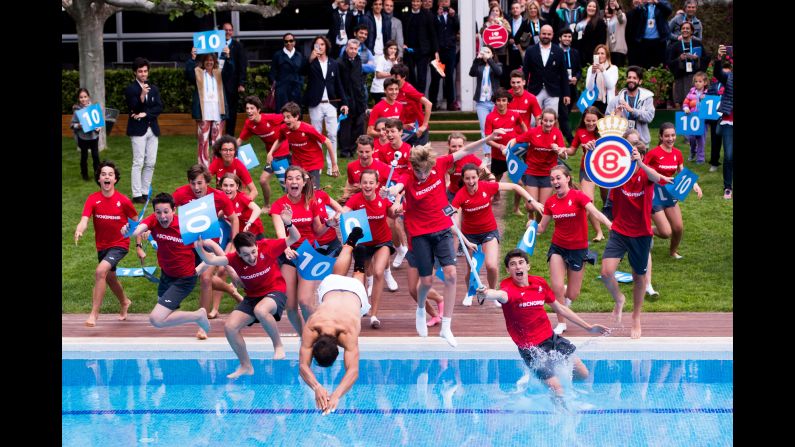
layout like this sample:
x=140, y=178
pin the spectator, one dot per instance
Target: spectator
x=690, y=105
x=286, y=67
x=546, y=70
x=688, y=15
x=417, y=109
x=635, y=103
x=635, y=19
x=604, y=76
x=236, y=82
x=652, y=33
x=397, y=26
x=85, y=140
x=591, y=30
x=341, y=27
x=383, y=64
x=359, y=14
x=534, y=22
x=573, y=74
x=420, y=45
x=209, y=102
x=143, y=100
x=367, y=57
x=496, y=17
x=266, y=126
x=519, y=30
x=716, y=88
x=379, y=27
x=616, y=28
x=726, y=129
x=350, y=65
x=488, y=70
x=567, y=15
x=685, y=59
x=447, y=27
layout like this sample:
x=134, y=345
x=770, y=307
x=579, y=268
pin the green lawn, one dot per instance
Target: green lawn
x=701, y=281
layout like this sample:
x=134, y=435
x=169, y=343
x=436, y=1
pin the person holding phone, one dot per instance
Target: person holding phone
x=603, y=75
x=145, y=105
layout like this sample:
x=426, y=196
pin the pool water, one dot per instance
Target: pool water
x=424, y=401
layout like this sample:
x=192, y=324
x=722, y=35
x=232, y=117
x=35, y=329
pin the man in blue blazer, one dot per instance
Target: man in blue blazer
x=546, y=70
x=143, y=101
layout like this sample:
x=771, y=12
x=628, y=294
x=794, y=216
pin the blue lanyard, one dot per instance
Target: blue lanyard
x=691, y=46
x=568, y=16
x=650, y=12
x=568, y=57
x=635, y=105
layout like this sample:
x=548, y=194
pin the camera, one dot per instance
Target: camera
x=446, y=9
x=729, y=50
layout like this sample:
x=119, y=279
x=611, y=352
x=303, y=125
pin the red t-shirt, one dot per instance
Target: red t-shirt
x=386, y=154
x=510, y=122
x=582, y=136
x=525, y=316
x=267, y=129
x=632, y=203
x=476, y=213
x=109, y=216
x=425, y=201
x=237, y=167
x=241, y=202
x=302, y=217
x=455, y=177
x=409, y=98
x=305, y=146
x=525, y=105
x=571, y=219
x=321, y=200
x=263, y=277
x=355, y=170
x=540, y=157
x=378, y=148
x=376, y=215
x=184, y=194
x=666, y=163
x=385, y=110
x=176, y=259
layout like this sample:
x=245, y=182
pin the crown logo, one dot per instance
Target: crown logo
x=612, y=125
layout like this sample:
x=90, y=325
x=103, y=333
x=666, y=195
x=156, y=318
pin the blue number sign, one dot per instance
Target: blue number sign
x=311, y=264
x=477, y=258
x=587, y=97
x=689, y=124
x=528, y=241
x=708, y=107
x=622, y=277
x=198, y=218
x=662, y=197
x=135, y=271
x=280, y=169
x=516, y=167
x=209, y=41
x=682, y=184
x=246, y=155
x=353, y=219
x=91, y=117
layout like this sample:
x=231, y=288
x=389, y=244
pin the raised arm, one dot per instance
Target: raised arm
x=599, y=216
x=653, y=175
x=538, y=206
x=256, y=211
x=473, y=147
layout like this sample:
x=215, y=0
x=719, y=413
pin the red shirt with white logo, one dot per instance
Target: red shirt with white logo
x=387, y=154
x=582, y=136
x=525, y=316
x=541, y=158
x=110, y=215
x=237, y=167
x=455, y=177
x=525, y=105
x=376, y=210
x=476, y=213
x=355, y=170
x=267, y=129
x=409, y=98
x=322, y=199
x=385, y=110
x=305, y=146
x=378, y=148
x=571, y=219
x=426, y=201
x=241, y=202
x=510, y=122
x=264, y=276
x=302, y=217
x=666, y=163
x=184, y=194
x=176, y=259
x=632, y=204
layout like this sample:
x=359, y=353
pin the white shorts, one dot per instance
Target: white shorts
x=345, y=284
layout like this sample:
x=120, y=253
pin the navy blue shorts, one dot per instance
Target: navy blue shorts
x=269, y=168
x=574, y=259
x=171, y=291
x=427, y=247
x=638, y=248
x=283, y=260
x=482, y=238
x=537, y=358
x=371, y=249
x=249, y=303
x=657, y=208
x=112, y=255
x=538, y=181
x=584, y=176
x=498, y=167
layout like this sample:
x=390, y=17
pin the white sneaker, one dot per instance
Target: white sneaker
x=559, y=328
x=391, y=284
x=399, y=256
x=497, y=303
x=568, y=302
x=713, y=169
x=467, y=301
x=422, y=328
x=650, y=291
x=374, y=322
x=447, y=334
x=369, y=286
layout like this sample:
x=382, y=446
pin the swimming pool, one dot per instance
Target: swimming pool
x=668, y=397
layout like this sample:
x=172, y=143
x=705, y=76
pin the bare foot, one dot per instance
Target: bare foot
x=212, y=315
x=518, y=213
x=618, y=309
x=123, y=311
x=204, y=324
x=278, y=353
x=91, y=321
x=635, y=332
x=241, y=371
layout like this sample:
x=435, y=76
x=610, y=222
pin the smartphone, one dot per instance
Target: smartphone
x=595, y=59
x=446, y=9
x=730, y=51
x=317, y=47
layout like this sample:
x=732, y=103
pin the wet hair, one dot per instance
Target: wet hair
x=365, y=140
x=163, y=197
x=567, y=173
x=325, y=350
x=244, y=239
x=401, y=70
x=139, y=62
x=254, y=101
x=197, y=170
x=665, y=126
x=515, y=253
x=390, y=81
x=292, y=108
x=422, y=157
x=590, y=111
x=637, y=70
x=309, y=186
x=225, y=139
x=234, y=178
x=394, y=123
x=370, y=172
x=501, y=93
x=110, y=164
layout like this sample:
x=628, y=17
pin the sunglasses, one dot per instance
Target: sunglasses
x=289, y=41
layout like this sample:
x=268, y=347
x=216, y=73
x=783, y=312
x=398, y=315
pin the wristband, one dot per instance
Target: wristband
x=139, y=245
x=286, y=226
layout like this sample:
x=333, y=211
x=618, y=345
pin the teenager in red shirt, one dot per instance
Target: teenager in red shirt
x=110, y=209
x=512, y=124
x=456, y=141
x=225, y=160
x=429, y=226
x=523, y=102
x=300, y=199
x=585, y=136
x=394, y=130
x=177, y=267
x=381, y=142
x=266, y=126
x=668, y=161
x=328, y=243
x=631, y=233
x=366, y=160
x=568, y=250
x=523, y=297
x=476, y=218
x=416, y=107
x=388, y=107
x=254, y=267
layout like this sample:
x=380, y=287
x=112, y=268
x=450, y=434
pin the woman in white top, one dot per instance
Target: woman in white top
x=383, y=63
x=616, y=27
x=604, y=76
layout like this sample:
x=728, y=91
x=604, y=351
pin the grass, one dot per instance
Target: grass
x=701, y=281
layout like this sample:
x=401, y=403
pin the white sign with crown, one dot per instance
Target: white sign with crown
x=610, y=163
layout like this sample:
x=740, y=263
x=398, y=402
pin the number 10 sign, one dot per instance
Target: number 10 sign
x=91, y=117
x=209, y=41
x=198, y=218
